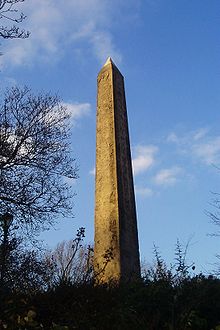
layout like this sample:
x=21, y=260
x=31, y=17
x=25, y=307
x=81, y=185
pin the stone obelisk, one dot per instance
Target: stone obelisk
x=116, y=251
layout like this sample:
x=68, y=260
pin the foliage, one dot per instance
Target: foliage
x=9, y=13
x=73, y=261
x=176, y=273
x=34, y=158
x=25, y=270
x=167, y=298
x=146, y=305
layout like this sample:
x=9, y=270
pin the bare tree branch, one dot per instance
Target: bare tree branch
x=34, y=158
x=9, y=12
x=73, y=261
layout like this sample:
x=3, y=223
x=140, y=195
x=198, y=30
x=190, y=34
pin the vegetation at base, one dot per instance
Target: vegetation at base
x=194, y=304
x=165, y=298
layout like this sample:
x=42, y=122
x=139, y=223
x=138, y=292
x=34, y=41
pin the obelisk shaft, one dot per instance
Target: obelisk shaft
x=116, y=254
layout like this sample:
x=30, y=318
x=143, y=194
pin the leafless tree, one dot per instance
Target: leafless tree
x=214, y=215
x=73, y=261
x=35, y=159
x=9, y=13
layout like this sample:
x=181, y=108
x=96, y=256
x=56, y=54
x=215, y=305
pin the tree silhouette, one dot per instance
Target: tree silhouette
x=72, y=260
x=9, y=12
x=34, y=158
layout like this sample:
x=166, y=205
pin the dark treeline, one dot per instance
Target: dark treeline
x=57, y=290
x=195, y=304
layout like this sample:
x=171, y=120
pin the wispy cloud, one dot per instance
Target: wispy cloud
x=198, y=144
x=208, y=152
x=172, y=137
x=77, y=110
x=143, y=158
x=144, y=192
x=57, y=25
x=168, y=176
x=188, y=137
x=200, y=133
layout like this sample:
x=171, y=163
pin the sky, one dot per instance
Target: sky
x=169, y=54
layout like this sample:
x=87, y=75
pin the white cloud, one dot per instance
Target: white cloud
x=103, y=46
x=77, y=110
x=56, y=25
x=144, y=192
x=144, y=157
x=200, y=133
x=172, y=137
x=199, y=145
x=208, y=152
x=188, y=137
x=168, y=176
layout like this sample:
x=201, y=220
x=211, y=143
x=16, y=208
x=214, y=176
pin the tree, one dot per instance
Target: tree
x=23, y=270
x=34, y=158
x=9, y=12
x=215, y=214
x=73, y=262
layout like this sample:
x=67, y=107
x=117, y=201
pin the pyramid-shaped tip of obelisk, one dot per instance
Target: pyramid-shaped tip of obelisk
x=109, y=61
x=110, y=64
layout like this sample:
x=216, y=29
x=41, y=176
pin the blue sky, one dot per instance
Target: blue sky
x=169, y=54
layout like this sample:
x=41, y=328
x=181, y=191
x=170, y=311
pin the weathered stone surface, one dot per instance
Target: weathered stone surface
x=116, y=255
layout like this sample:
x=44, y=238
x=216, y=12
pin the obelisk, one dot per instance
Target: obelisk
x=116, y=251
